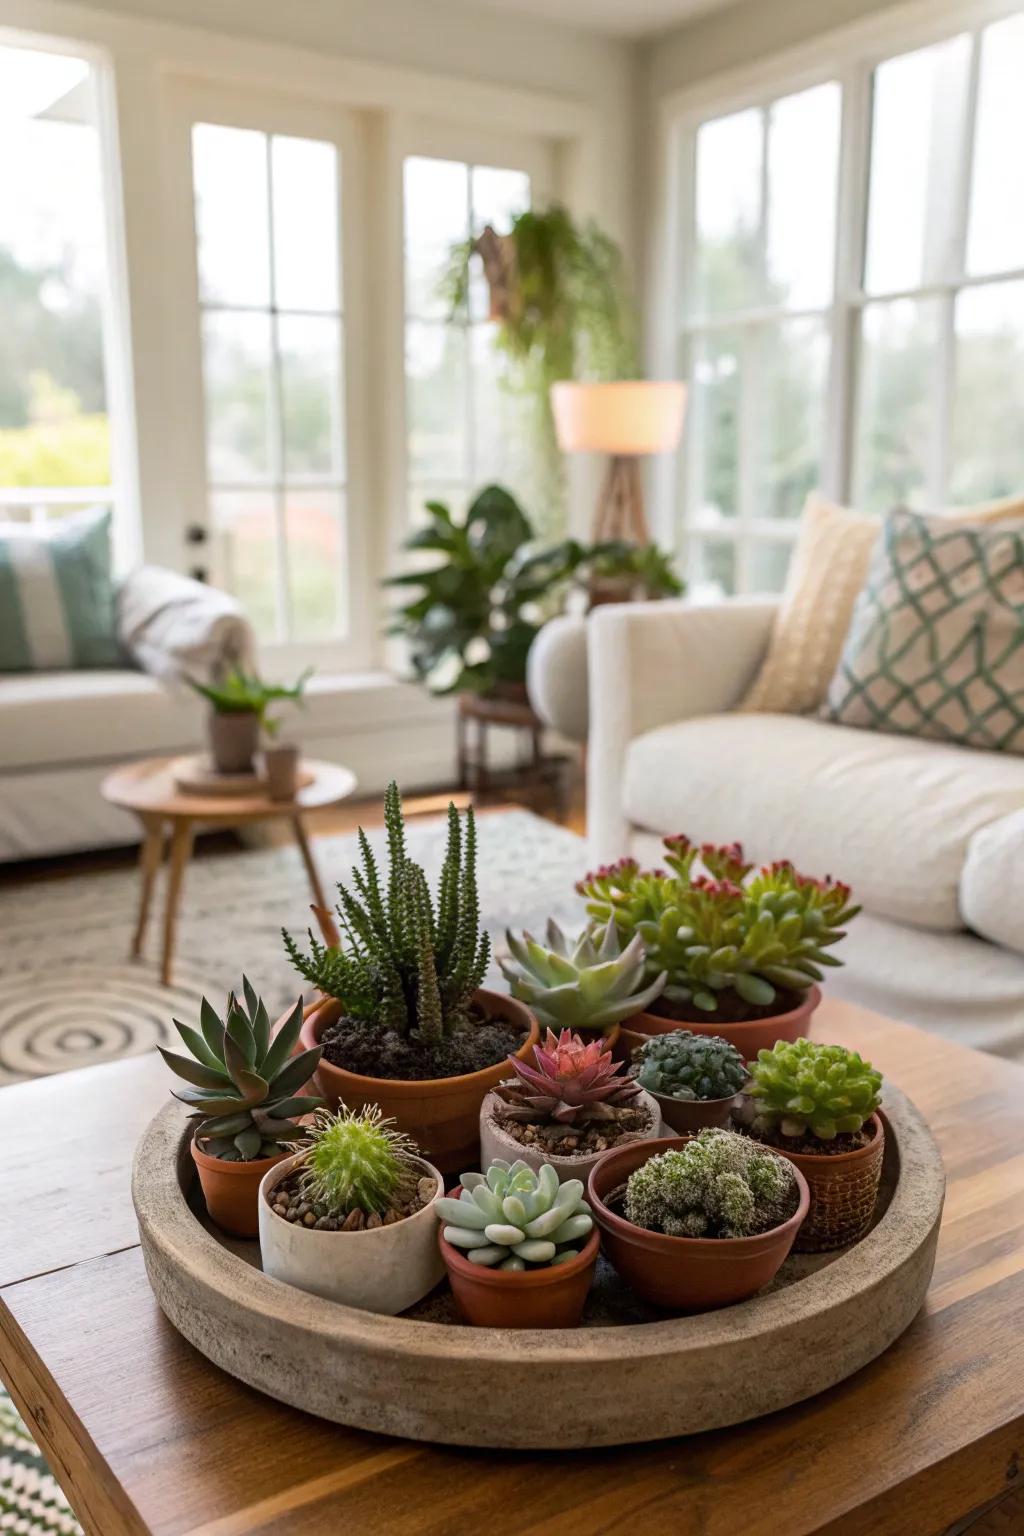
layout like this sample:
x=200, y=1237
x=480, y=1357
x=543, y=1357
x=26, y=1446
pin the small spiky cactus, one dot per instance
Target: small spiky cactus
x=244, y=1087
x=404, y=964
x=579, y=985
x=801, y=1087
x=356, y=1161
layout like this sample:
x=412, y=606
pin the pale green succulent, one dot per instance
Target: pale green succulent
x=717, y=1185
x=579, y=985
x=803, y=1087
x=511, y=1217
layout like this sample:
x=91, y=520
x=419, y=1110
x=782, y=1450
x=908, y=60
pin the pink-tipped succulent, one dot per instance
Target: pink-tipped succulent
x=572, y=1081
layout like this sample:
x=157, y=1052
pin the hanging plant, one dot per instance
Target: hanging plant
x=559, y=296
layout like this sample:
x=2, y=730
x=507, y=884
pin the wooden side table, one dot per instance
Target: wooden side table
x=169, y=815
x=538, y=779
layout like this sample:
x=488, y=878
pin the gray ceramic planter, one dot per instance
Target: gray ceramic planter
x=496, y=1142
x=234, y=736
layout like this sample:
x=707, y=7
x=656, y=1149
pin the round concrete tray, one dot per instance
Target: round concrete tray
x=630, y=1373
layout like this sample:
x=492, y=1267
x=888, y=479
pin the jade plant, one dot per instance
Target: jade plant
x=573, y=1082
x=244, y=1088
x=512, y=1218
x=728, y=943
x=405, y=964
x=801, y=1088
x=580, y=984
x=682, y=1065
x=242, y=693
x=719, y=1185
x=357, y=1161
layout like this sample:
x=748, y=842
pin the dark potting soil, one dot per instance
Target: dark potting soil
x=361, y=1047
x=581, y=1140
x=812, y=1146
x=731, y=1009
x=289, y=1201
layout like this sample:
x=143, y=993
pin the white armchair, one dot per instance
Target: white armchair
x=930, y=836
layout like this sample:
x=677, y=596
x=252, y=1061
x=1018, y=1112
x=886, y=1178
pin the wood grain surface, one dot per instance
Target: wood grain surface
x=150, y=1440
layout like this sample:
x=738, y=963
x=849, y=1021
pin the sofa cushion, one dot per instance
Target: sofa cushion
x=892, y=815
x=57, y=595
x=992, y=884
x=57, y=718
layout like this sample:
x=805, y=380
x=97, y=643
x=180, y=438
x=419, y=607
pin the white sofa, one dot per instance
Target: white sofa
x=930, y=837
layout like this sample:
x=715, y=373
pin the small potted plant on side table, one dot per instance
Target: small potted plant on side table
x=693, y=1223
x=520, y=1248
x=566, y=1109
x=238, y=712
x=350, y=1216
x=742, y=955
x=405, y=1023
x=244, y=1088
x=693, y=1079
x=817, y=1105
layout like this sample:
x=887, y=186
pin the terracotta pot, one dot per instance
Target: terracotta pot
x=441, y=1114
x=384, y=1270
x=844, y=1190
x=686, y=1115
x=231, y=1190
x=495, y=1141
x=551, y=1297
x=234, y=736
x=748, y=1038
x=684, y=1274
x=281, y=771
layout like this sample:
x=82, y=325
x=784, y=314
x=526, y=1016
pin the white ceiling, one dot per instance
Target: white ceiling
x=618, y=18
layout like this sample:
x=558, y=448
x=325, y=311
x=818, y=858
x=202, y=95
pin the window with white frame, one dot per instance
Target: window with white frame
x=55, y=438
x=268, y=236
x=464, y=427
x=878, y=351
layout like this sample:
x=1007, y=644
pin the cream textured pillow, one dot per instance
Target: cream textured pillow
x=828, y=569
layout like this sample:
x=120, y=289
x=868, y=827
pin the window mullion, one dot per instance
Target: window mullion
x=276, y=425
x=851, y=243
x=748, y=439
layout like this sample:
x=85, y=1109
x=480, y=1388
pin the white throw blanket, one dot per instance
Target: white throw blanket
x=173, y=626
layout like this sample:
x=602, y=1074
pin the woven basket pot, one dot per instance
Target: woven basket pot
x=844, y=1189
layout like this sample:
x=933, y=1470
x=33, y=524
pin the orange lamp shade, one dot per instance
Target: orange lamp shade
x=634, y=416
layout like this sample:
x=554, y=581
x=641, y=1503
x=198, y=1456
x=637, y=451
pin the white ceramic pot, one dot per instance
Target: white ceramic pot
x=495, y=1141
x=383, y=1270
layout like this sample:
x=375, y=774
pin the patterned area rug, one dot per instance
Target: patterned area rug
x=69, y=997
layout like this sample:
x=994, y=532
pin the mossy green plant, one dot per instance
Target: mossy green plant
x=719, y=1185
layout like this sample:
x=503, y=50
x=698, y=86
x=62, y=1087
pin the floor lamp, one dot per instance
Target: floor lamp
x=626, y=420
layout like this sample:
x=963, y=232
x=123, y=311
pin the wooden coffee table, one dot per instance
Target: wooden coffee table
x=168, y=814
x=149, y=1439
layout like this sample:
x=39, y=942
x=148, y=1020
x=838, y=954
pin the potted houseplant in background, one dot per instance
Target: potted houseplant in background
x=519, y=1247
x=693, y=1079
x=566, y=1109
x=244, y=1090
x=817, y=1105
x=742, y=955
x=238, y=707
x=405, y=1023
x=693, y=1223
x=351, y=1215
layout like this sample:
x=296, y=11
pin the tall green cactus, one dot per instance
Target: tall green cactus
x=403, y=964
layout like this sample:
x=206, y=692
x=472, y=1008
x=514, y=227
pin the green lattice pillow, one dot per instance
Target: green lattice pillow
x=936, y=644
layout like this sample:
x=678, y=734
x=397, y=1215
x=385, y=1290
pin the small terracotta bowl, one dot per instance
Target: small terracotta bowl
x=686, y=1115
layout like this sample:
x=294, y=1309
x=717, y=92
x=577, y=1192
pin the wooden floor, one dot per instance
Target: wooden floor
x=367, y=811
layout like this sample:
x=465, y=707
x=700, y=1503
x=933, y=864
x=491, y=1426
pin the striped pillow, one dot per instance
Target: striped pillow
x=57, y=601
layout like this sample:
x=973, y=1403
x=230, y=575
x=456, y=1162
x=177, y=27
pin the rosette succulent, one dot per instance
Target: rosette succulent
x=512, y=1218
x=573, y=1081
x=718, y=1185
x=682, y=1065
x=580, y=984
x=244, y=1087
x=802, y=1088
x=356, y=1160
x=722, y=937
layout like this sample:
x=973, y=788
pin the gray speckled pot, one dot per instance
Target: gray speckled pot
x=496, y=1142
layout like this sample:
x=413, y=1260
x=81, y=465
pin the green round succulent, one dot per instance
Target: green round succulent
x=801, y=1087
x=682, y=1065
x=718, y=1185
x=511, y=1216
x=356, y=1161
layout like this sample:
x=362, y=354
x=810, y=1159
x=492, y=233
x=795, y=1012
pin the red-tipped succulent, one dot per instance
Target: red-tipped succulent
x=573, y=1080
